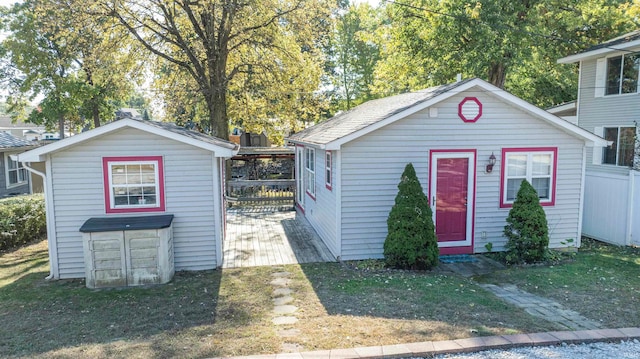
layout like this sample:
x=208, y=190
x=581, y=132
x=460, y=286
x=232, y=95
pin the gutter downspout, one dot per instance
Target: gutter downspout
x=52, y=249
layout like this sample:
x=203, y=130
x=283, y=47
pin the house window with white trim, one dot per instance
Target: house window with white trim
x=310, y=171
x=16, y=173
x=622, y=74
x=328, y=172
x=133, y=184
x=537, y=166
x=620, y=153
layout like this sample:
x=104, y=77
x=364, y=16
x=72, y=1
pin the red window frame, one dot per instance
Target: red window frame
x=554, y=168
x=133, y=159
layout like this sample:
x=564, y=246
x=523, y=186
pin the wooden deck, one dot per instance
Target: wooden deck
x=266, y=236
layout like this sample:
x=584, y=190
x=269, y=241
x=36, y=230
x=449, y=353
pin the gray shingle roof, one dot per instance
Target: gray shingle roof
x=368, y=114
x=628, y=37
x=10, y=141
x=170, y=126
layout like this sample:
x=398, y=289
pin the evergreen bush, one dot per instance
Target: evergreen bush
x=411, y=241
x=22, y=220
x=526, y=229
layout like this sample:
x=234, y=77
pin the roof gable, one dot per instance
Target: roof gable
x=172, y=131
x=372, y=115
x=620, y=43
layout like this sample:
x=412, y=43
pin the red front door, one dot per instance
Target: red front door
x=451, y=199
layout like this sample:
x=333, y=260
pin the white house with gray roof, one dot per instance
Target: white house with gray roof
x=348, y=167
x=608, y=105
x=126, y=170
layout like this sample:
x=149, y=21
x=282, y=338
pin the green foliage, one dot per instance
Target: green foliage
x=526, y=229
x=411, y=240
x=22, y=220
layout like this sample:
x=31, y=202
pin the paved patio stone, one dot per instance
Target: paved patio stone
x=369, y=352
x=631, y=332
x=281, y=282
x=395, y=350
x=565, y=336
x=543, y=339
x=446, y=347
x=421, y=347
x=518, y=339
x=343, y=354
x=320, y=354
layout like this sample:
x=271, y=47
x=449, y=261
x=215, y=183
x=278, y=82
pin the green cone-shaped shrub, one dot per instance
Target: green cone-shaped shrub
x=526, y=229
x=411, y=242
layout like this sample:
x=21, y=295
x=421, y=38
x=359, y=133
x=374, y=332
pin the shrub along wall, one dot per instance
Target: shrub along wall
x=22, y=220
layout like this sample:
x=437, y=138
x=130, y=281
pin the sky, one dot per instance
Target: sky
x=7, y=2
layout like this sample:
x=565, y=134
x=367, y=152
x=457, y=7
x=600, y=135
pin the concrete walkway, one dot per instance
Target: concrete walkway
x=428, y=349
x=541, y=307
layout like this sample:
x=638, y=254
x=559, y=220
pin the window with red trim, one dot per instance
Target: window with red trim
x=133, y=184
x=537, y=166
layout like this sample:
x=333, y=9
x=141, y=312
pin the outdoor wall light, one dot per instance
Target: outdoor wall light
x=492, y=161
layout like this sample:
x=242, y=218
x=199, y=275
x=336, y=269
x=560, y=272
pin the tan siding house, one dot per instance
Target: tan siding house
x=135, y=168
x=449, y=134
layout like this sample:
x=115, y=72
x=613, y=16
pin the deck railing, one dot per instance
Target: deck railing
x=261, y=192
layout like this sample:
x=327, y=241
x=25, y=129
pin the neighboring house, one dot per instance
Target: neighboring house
x=135, y=168
x=18, y=128
x=471, y=144
x=14, y=178
x=609, y=105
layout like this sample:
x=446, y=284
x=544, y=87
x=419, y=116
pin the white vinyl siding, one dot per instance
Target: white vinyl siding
x=371, y=167
x=321, y=212
x=596, y=113
x=78, y=195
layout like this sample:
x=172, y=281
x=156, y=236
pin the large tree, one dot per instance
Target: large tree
x=512, y=44
x=217, y=42
x=78, y=65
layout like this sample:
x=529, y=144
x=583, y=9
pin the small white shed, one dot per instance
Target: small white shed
x=134, y=168
x=471, y=144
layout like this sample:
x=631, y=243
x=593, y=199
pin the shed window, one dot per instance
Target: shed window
x=16, y=173
x=133, y=184
x=537, y=166
x=328, y=160
x=622, y=74
x=620, y=152
x=310, y=171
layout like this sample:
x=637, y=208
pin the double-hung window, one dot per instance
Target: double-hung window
x=620, y=153
x=16, y=173
x=622, y=74
x=537, y=166
x=133, y=184
x=328, y=160
x=310, y=171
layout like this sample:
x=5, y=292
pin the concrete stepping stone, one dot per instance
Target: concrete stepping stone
x=284, y=309
x=281, y=292
x=284, y=320
x=280, y=282
x=283, y=300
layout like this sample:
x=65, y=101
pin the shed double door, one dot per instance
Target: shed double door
x=452, y=196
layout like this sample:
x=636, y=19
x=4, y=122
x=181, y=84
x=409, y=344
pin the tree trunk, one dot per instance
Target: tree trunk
x=61, y=126
x=218, y=120
x=96, y=115
x=497, y=74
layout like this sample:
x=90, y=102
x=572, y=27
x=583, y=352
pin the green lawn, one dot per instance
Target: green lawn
x=340, y=305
